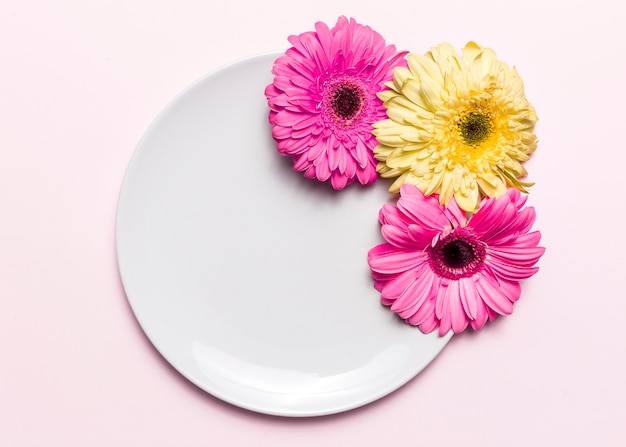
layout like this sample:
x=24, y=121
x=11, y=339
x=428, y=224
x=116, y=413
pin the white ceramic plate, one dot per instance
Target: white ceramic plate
x=251, y=280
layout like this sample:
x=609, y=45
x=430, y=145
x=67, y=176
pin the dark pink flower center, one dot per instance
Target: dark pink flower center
x=346, y=102
x=343, y=101
x=459, y=254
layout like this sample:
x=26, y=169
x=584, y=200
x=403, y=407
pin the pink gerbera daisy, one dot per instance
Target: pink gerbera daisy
x=440, y=270
x=323, y=100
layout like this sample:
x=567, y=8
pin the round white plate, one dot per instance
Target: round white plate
x=251, y=280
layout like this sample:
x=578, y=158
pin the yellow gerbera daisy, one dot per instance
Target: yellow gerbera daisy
x=458, y=126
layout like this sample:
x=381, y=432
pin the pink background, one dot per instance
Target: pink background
x=80, y=83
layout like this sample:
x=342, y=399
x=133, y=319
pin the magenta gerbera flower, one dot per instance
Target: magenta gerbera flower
x=440, y=270
x=323, y=100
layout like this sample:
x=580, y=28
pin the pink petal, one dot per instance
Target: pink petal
x=521, y=224
x=423, y=313
x=455, y=214
x=395, y=287
x=350, y=168
x=408, y=189
x=298, y=80
x=310, y=172
x=441, y=303
x=469, y=300
x=445, y=323
x=481, y=316
x=390, y=215
x=385, y=258
x=317, y=150
x=333, y=157
x=427, y=305
x=528, y=239
x=304, y=121
x=511, y=290
x=367, y=175
x=503, y=217
x=279, y=132
x=324, y=36
x=301, y=162
x=429, y=324
x=424, y=211
x=493, y=297
x=308, y=135
x=321, y=167
x=338, y=180
x=293, y=146
x=420, y=235
x=361, y=153
x=516, y=197
x=416, y=293
x=489, y=214
x=516, y=255
x=457, y=315
x=510, y=272
x=398, y=238
x=342, y=160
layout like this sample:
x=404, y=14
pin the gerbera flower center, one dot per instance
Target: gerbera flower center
x=474, y=128
x=344, y=100
x=460, y=254
x=457, y=254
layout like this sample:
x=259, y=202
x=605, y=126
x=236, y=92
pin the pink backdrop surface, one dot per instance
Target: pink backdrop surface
x=79, y=85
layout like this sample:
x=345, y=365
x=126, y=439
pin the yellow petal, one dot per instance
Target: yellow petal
x=467, y=202
x=423, y=67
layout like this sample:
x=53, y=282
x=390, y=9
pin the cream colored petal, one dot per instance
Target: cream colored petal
x=395, y=186
x=435, y=89
x=385, y=125
x=434, y=184
x=400, y=76
x=422, y=95
x=490, y=63
x=447, y=189
x=381, y=152
x=386, y=95
x=468, y=202
x=412, y=180
x=500, y=190
x=412, y=133
x=386, y=172
x=424, y=67
x=396, y=138
x=420, y=167
x=458, y=175
x=403, y=101
x=442, y=51
x=401, y=160
x=399, y=100
x=401, y=114
x=451, y=64
x=389, y=139
x=471, y=51
x=411, y=89
x=490, y=184
x=421, y=149
x=457, y=85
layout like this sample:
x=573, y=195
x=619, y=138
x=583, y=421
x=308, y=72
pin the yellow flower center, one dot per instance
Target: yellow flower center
x=472, y=132
x=474, y=128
